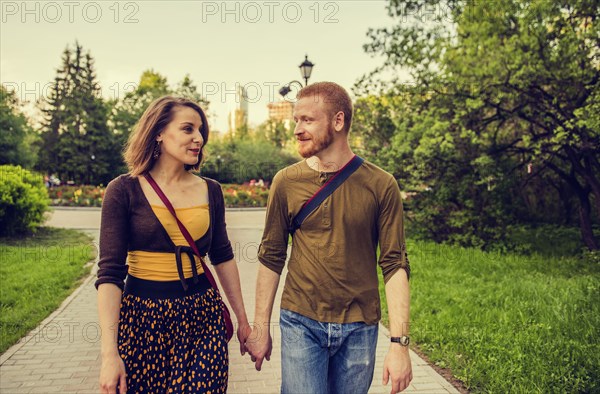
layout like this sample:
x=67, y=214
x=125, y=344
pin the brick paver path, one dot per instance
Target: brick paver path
x=62, y=354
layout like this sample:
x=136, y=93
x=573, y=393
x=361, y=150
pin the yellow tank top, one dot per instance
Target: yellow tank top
x=162, y=266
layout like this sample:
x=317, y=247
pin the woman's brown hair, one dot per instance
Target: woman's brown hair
x=138, y=152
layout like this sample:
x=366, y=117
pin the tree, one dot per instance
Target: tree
x=238, y=160
x=513, y=84
x=276, y=132
x=186, y=88
x=76, y=142
x=126, y=112
x=17, y=137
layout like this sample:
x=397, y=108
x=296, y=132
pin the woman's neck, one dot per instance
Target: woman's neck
x=168, y=174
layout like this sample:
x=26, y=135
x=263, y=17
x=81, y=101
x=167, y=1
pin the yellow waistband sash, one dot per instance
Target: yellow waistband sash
x=163, y=266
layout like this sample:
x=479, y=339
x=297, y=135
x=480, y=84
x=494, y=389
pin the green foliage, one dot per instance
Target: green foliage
x=37, y=273
x=126, y=112
x=17, y=137
x=23, y=200
x=280, y=134
x=240, y=160
x=506, y=87
x=544, y=239
x=489, y=316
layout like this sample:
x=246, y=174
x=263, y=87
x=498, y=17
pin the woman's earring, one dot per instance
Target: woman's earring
x=156, y=152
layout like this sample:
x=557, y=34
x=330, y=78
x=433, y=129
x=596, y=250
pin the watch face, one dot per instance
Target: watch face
x=403, y=340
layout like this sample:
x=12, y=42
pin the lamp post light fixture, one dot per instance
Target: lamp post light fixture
x=285, y=89
x=306, y=70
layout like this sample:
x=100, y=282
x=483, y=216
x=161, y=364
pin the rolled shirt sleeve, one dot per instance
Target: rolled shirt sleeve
x=392, y=245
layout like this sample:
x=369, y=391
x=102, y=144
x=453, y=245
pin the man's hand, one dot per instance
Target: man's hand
x=397, y=366
x=259, y=345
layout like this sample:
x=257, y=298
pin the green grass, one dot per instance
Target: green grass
x=36, y=274
x=507, y=322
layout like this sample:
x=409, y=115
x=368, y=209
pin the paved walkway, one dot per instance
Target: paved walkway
x=62, y=354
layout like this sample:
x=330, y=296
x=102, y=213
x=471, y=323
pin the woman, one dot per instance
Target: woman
x=171, y=333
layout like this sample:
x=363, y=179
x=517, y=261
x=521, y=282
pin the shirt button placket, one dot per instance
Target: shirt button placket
x=326, y=213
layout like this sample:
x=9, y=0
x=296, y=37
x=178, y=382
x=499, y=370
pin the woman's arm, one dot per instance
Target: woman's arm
x=111, y=273
x=229, y=278
x=112, y=371
x=109, y=301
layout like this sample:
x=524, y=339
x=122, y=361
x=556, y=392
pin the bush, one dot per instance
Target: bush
x=23, y=200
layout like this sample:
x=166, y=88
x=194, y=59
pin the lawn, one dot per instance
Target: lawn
x=507, y=322
x=36, y=274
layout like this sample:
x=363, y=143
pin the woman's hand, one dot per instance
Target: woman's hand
x=243, y=332
x=113, y=375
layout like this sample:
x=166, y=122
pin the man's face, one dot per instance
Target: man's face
x=314, y=129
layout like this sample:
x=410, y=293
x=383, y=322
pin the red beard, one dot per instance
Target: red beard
x=317, y=144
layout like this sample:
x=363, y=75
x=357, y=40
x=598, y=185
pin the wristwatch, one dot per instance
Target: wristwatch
x=404, y=340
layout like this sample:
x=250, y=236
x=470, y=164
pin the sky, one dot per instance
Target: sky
x=220, y=44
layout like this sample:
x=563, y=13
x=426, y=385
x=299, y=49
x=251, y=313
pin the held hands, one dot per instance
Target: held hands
x=259, y=344
x=397, y=366
x=112, y=374
x=243, y=331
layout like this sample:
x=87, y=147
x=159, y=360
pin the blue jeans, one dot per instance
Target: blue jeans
x=326, y=357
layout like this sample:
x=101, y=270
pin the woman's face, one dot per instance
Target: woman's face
x=181, y=139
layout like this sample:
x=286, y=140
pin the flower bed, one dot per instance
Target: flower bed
x=76, y=196
x=236, y=196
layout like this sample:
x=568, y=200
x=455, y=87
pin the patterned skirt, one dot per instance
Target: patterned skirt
x=172, y=341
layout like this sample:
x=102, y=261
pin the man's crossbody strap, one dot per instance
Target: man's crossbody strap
x=325, y=191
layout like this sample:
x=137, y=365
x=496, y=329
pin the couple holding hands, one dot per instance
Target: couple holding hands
x=165, y=328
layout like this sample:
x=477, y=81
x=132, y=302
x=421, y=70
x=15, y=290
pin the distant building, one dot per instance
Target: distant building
x=282, y=111
x=238, y=118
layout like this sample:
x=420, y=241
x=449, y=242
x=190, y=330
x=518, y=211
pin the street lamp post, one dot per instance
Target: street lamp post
x=306, y=70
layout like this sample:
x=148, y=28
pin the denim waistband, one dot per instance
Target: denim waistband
x=169, y=289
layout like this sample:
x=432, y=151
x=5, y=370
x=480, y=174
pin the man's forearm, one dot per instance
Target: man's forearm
x=398, y=301
x=266, y=288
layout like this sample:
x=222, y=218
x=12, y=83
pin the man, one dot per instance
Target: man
x=330, y=306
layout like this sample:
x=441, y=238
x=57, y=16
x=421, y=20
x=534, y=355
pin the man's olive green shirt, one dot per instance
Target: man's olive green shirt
x=332, y=272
